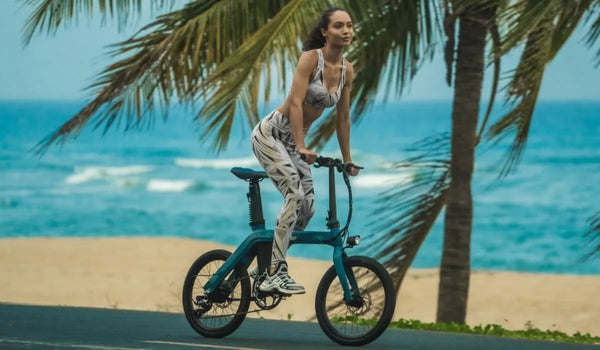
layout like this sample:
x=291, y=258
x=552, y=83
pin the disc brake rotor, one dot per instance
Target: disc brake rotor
x=365, y=306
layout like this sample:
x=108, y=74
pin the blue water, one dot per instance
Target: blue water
x=161, y=181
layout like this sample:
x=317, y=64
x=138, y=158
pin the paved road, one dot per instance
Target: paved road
x=41, y=327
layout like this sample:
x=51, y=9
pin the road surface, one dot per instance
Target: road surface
x=43, y=327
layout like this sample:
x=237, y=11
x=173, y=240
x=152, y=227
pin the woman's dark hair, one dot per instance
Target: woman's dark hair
x=315, y=39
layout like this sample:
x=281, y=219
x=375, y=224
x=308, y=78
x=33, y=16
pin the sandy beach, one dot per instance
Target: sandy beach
x=148, y=273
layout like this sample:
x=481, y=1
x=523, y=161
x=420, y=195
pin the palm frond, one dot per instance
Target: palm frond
x=522, y=17
x=394, y=42
x=497, y=45
x=593, y=235
x=544, y=25
x=524, y=88
x=450, y=47
x=567, y=20
x=594, y=31
x=168, y=57
x=406, y=213
x=49, y=15
x=237, y=78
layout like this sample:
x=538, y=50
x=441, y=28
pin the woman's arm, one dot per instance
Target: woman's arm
x=304, y=69
x=342, y=119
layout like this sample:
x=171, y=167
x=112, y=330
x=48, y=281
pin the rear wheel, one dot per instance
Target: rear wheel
x=364, y=319
x=222, y=312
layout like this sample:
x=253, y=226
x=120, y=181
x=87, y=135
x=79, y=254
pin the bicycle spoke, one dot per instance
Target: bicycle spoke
x=362, y=319
x=222, y=311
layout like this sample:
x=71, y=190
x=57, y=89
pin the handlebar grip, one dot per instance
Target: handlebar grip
x=328, y=162
x=319, y=159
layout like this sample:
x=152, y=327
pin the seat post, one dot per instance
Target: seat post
x=257, y=220
x=332, y=220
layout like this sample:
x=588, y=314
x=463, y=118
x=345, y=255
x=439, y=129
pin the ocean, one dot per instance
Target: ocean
x=161, y=181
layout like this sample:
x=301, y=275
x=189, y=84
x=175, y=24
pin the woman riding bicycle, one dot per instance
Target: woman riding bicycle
x=322, y=79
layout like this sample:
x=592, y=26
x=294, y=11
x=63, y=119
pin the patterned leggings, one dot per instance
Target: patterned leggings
x=275, y=148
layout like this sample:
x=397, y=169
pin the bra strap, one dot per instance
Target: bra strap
x=320, y=63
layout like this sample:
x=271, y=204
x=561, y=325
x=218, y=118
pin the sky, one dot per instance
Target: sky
x=62, y=66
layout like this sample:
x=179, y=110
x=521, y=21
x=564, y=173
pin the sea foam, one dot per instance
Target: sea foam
x=216, y=163
x=381, y=180
x=160, y=185
x=86, y=174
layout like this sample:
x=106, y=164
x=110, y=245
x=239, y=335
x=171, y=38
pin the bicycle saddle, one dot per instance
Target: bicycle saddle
x=248, y=174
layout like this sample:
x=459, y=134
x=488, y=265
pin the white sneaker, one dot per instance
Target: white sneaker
x=281, y=282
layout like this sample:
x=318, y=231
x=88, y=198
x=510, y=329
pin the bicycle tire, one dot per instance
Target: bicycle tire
x=330, y=297
x=192, y=289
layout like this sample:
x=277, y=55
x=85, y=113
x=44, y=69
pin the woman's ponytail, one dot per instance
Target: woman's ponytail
x=316, y=39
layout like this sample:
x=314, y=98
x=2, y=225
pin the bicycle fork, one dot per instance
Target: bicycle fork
x=346, y=277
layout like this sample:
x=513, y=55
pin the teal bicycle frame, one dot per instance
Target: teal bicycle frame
x=261, y=239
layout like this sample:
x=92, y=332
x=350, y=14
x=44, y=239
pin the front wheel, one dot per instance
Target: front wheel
x=222, y=312
x=365, y=318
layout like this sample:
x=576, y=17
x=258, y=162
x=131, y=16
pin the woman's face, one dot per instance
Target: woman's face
x=340, y=30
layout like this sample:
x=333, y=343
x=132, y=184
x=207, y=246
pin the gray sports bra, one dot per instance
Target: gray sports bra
x=316, y=95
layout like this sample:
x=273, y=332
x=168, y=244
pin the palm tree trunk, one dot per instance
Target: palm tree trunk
x=455, y=266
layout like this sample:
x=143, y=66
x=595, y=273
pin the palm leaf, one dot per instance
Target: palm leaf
x=237, y=78
x=594, y=235
x=406, y=213
x=168, y=57
x=450, y=46
x=594, y=31
x=49, y=15
x=525, y=86
x=567, y=20
x=543, y=41
x=395, y=43
x=497, y=45
x=523, y=17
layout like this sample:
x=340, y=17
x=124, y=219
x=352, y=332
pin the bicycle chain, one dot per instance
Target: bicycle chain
x=239, y=313
x=253, y=299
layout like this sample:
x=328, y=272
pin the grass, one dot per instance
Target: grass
x=530, y=332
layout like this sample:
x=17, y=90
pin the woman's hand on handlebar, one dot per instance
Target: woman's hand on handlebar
x=307, y=155
x=352, y=169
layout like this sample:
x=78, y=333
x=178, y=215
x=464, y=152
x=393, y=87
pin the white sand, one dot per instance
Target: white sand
x=148, y=273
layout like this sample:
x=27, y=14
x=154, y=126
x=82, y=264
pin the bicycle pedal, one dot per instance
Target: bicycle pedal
x=280, y=295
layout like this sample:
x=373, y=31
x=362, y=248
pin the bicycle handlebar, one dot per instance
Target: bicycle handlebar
x=332, y=162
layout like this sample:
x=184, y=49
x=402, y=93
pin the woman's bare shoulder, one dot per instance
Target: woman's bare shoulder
x=349, y=71
x=309, y=56
x=307, y=62
x=349, y=66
